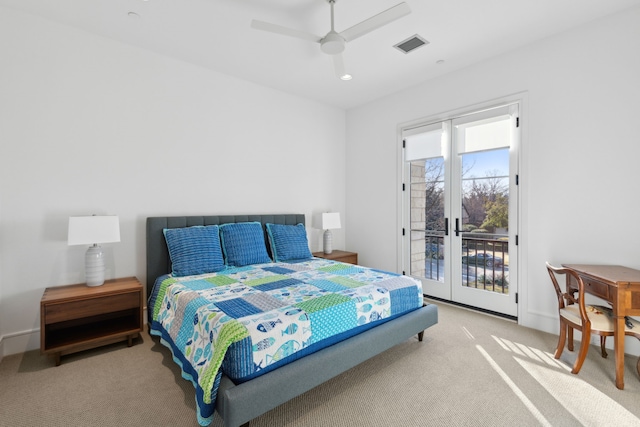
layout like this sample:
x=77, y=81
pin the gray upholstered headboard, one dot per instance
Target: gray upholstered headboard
x=158, y=262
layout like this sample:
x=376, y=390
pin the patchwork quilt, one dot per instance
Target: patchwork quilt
x=246, y=321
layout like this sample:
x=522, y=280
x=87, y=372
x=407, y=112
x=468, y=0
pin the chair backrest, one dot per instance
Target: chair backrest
x=568, y=295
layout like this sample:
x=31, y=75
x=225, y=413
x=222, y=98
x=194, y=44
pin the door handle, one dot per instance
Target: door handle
x=457, y=230
x=446, y=226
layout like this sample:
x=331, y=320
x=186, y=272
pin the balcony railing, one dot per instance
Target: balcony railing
x=485, y=264
x=485, y=261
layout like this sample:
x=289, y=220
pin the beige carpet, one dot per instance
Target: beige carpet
x=471, y=370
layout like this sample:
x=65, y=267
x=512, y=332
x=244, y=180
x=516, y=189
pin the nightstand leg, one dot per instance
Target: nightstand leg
x=57, y=355
x=129, y=340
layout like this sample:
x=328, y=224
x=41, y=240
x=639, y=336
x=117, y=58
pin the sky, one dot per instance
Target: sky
x=486, y=161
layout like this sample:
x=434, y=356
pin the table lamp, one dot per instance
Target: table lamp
x=93, y=230
x=330, y=221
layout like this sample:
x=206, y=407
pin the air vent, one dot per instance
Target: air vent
x=411, y=44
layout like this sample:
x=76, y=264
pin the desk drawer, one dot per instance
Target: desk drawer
x=91, y=307
x=596, y=288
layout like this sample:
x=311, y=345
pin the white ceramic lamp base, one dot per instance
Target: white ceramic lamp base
x=327, y=242
x=94, y=266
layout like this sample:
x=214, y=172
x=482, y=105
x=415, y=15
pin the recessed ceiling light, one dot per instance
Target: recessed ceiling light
x=346, y=77
x=133, y=15
x=440, y=61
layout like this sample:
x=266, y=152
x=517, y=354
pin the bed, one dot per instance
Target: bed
x=382, y=309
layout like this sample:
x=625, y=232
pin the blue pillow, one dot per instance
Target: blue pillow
x=243, y=244
x=194, y=250
x=288, y=242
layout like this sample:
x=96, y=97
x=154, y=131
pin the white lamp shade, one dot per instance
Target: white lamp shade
x=89, y=230
x=330, y=220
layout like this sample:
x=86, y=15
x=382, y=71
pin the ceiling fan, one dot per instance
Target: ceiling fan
x=333, y=43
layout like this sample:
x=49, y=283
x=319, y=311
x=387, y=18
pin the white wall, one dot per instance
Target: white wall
x=88, y=125
x=579, y=176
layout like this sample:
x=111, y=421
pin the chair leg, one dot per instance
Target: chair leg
x=603, y=342
x=582, y=354
x=570, y=343
x=561, y=339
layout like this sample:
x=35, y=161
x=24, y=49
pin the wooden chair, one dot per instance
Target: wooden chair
x=588, y=319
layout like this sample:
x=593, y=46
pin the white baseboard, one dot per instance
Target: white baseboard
x=19, y=342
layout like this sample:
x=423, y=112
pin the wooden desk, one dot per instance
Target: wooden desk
x=621, y=287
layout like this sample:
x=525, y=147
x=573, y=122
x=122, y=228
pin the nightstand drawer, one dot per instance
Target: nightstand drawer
x=79, y=309
x=349, y=259
x=340, y=256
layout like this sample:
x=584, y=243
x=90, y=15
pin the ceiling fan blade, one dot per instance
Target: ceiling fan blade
x=278, y=29
x=377, y=21
x=338, y=65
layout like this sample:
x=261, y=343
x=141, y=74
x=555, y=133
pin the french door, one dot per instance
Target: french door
x=460, y=208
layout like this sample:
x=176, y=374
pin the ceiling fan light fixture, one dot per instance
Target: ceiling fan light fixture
x=346, y=77
x=332, y=43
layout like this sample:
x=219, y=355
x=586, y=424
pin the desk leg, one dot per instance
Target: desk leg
x=618, y=344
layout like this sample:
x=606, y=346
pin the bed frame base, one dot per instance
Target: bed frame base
x=238, y=404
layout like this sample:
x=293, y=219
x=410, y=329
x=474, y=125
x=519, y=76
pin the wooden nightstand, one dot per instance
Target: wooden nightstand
x=78, y=317
x=341, y=256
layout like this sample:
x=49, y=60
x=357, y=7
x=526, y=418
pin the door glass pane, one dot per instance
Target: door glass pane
x=485, y=220
x=427, y=218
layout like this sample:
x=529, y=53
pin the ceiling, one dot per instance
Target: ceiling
x=216, y=34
